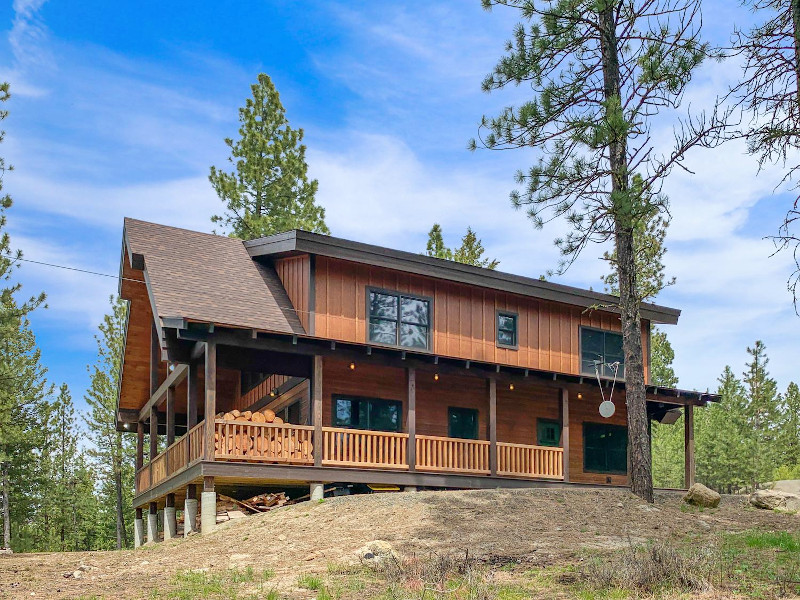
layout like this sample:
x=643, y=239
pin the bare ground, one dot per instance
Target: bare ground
x=534, y=527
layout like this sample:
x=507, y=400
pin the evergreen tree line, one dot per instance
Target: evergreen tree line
x=751, y=437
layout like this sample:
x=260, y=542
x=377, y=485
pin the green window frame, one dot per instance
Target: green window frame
x=605, y=347
x=399, y=320
x=506, y=329
x=548, y=432
x=605, y=448
x=373, y=414
x=462, y=423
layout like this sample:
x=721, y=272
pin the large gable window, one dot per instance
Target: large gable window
x=601, y=348
x=397, y=319
x=605, y=448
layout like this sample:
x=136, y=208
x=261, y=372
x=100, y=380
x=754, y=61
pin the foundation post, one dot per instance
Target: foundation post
x=208, y=506
x=152, y=523
x=317, y=491
x=170, y=520
x=190, y=511
x=138, y=529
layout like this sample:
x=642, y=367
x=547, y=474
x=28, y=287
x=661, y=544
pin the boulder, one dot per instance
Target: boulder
x=775, y=500
x=700, y=495
x=377, y=552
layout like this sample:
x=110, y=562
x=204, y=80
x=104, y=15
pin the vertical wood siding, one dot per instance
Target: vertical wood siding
x=463, y=317
x=295, y=274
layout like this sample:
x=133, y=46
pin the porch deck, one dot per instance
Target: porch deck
x=292, y=445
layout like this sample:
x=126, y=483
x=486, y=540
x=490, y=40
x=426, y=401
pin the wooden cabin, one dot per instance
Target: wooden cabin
x=307, y=360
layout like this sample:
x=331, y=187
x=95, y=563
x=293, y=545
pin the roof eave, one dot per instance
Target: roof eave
x=299, y=241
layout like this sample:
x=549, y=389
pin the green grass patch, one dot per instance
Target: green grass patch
x=232, y=584
x=310, y=582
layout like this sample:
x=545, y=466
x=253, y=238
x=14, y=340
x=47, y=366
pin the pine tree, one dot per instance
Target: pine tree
x=790, y=428
x=769, y=93
x=723, y=438
x=600, y=71
x=23, y=405
x=667, y=440
x=269, y=191
x=762, y=414
x=469, y=253
x=436, y=247
x=112, y=452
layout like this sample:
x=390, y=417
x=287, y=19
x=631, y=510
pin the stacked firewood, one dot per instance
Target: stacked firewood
x=261, y=442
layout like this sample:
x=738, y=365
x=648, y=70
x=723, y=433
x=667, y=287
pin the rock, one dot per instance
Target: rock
x=77, y=574
x=700, y=495
x=377, y=552
x=281, y=538
x=704, y=524
x=6, y=551
x=775, y=500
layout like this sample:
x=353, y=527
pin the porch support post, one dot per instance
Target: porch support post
x=170, y=520
x=170, y=429
x=208, y=506
x=493, y=425
x=155, y=359
x=210, y=403
x=190, y=510
x=152, y=523
x=411, y=420
x=139, y=445
x=191, y=408
x=688, y=434
x=316, y=409
x=138, y=529
x=565, y=431
x=153, y=434
x=170, y=416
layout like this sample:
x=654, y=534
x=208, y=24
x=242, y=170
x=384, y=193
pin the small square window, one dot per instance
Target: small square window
x=506, y=329
x=548, y=433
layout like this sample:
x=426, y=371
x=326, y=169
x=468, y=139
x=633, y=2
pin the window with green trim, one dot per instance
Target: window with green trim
x=548, y=432
x=462, y=423
x=374, y=414
x=605, y=448
x=601, y=348
x=506, y=329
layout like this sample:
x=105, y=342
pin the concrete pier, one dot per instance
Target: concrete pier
x=189, y=516
x=317, y=491
x=208, y=512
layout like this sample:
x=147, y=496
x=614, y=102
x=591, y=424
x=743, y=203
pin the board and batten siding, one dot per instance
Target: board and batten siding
x=295, y=274
x=464, y=317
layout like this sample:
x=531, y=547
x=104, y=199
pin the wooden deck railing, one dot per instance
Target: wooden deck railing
x=195, y=436
x=177, y=456
x=518, y=460
x=267, y=442
x=452, y=455
x=158, y=469
x=264, y=442
x=362, y=448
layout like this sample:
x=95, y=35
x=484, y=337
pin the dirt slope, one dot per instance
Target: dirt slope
x=533, y=526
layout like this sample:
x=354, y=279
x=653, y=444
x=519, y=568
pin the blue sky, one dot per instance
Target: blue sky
x=120, y=112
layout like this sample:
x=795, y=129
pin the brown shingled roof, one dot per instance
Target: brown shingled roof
x=209, y=278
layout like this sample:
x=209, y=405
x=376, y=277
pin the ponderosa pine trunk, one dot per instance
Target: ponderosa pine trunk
x=639, y=459
x=6, y=509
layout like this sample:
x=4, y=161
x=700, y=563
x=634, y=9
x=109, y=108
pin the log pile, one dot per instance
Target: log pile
x=259, y=443
x=230, y=508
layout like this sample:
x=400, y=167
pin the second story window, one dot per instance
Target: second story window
x=397, y=319
x=506, y=329
x=602, y=348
